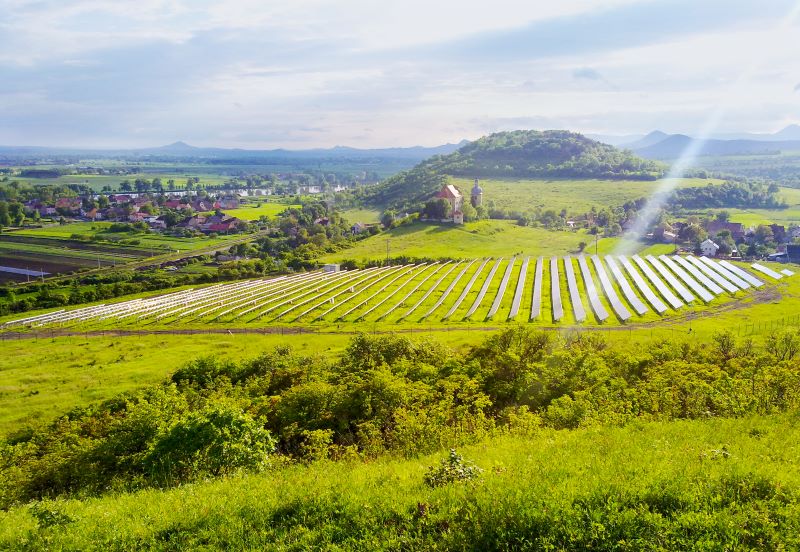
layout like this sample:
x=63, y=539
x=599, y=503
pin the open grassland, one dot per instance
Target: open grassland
x=365, y=216
x=46, y=377
x=716, y=484
x=576, y=196
x=251, y=211
x=471, y=240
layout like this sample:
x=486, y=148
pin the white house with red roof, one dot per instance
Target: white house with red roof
x=456, y=200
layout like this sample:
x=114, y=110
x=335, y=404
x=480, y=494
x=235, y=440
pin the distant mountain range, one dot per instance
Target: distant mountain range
x=184, y=150
x=660, y=145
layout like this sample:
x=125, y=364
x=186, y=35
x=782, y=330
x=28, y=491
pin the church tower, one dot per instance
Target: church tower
x=477, y=194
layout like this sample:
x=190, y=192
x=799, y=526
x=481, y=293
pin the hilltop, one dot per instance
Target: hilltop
x=517, y=154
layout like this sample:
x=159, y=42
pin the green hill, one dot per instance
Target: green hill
x=516, y=154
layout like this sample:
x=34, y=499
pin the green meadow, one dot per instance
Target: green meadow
x=574, y=195
x=715, y=484
x=471, y=240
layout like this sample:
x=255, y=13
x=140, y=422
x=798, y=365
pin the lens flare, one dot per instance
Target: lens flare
x=655, y=203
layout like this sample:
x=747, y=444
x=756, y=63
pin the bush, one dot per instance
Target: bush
x=452, y=469
x=216, y=441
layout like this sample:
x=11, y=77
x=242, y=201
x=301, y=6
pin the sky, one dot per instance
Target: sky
x=367, y=73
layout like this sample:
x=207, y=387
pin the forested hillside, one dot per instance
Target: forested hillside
x=517, y=154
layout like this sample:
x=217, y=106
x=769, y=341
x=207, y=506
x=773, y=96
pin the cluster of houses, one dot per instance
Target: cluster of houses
x=138, y=208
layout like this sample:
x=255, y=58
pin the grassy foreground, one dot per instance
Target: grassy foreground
x=704, y=485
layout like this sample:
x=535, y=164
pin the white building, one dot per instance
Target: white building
x=709, y=248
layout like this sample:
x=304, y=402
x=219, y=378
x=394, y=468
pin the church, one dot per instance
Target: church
x=456, y=201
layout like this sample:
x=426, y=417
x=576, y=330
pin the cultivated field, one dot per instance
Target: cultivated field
x=64, y=248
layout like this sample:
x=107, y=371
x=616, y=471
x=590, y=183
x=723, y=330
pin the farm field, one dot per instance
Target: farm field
x=473, y=239
x=576, y=196
x=252, y=212
x=97, y=182
x=654, y=484
x=63, y=248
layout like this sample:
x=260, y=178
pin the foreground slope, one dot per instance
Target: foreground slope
x=710, y=485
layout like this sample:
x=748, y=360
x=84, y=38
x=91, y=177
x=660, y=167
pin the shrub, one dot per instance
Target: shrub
x=453, y=468
x=216, y=441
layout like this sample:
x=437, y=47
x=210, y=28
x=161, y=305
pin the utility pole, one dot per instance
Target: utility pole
x=387, y=251
x=595, y=243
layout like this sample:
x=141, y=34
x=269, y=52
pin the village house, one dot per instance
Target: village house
x=227, y=202
x=456, y=201
x=736, y=229
x=69, y=204
x=709, y=248
x=778, y=233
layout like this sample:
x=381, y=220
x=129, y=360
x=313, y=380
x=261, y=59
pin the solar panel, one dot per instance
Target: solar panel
x=591, y=291
x=701, y=278
x=555, y=291
x=752, y=280
x=626, y=288
x=713, y=275
x=536, y=298
x=378, y=292
x=465, y=291
x=413, y=290
x=447, y=291
x=397, y=290
x=685, y=294
x=648, y=293
x=520, y=289
x=730, y=276
x=574, y=294
x=430, y=291
x=703, y=293
x=486, y=283
x=498, y=298
x=622, y=312
x=768, y=271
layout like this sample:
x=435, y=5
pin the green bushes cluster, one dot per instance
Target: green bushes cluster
x=388, y=394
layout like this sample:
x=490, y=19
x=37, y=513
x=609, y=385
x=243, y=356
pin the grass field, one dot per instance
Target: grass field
x=716, y=484
x=43, y=378
x=97, y=182
x=754, y=217
x=365, y=216
x=473, y=239
x=576, y=196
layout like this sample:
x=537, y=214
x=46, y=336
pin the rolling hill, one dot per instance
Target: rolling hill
x=516, y=154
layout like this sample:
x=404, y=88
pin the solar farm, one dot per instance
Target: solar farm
x=563, y=290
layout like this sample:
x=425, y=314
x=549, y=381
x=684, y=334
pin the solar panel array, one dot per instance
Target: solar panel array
x=615, y=287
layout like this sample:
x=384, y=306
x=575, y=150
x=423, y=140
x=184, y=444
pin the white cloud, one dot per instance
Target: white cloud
x=319, y=72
